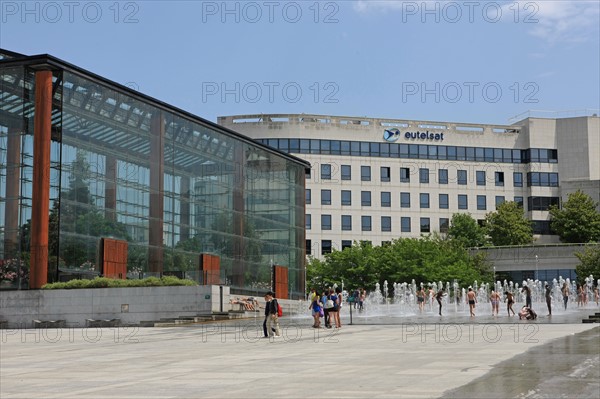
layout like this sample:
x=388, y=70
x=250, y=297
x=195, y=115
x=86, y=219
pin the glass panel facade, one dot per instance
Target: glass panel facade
x=414, y=151
x=171, y=185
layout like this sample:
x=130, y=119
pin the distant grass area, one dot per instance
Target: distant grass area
x=103, y=282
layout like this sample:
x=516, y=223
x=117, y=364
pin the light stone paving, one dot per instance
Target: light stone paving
x=230, y=360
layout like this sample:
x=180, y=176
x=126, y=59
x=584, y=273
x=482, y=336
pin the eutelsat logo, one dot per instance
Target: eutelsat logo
x=391, y=135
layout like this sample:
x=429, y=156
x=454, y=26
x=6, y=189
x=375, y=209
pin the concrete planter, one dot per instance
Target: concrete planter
x=130, y=305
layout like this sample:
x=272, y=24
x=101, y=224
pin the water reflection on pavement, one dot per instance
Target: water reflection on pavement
x=567, y=367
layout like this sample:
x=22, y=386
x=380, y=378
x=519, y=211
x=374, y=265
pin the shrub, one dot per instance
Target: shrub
x=103, y=282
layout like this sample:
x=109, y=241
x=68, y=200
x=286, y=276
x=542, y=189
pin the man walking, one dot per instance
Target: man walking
x=271, y=312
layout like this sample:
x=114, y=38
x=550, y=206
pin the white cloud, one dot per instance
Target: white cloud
x=549, y=20
x=559, y=21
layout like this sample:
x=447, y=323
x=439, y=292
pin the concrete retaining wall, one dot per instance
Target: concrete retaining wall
x=131, y=305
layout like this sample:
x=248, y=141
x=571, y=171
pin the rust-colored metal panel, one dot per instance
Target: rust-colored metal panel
x=280, y=281
x=215, y=278
x=42, y=128
x=113, y=256
x=210, y=266
x=11, y=210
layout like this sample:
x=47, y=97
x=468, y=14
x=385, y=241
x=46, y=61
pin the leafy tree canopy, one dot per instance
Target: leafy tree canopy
x=466, y=231
x=589, y=264
x=508, y=225
x=425, y=260
x=578, y=220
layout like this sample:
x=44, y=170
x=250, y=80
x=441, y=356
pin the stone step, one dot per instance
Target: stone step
x=200, y=318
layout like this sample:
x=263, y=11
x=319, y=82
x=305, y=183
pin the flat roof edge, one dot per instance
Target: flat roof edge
x=372, y=120
x=47, y=61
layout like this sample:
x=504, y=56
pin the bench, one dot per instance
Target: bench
x=49, y=324
x=102, y=323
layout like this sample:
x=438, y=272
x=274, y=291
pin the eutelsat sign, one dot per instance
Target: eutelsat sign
x=392, y=135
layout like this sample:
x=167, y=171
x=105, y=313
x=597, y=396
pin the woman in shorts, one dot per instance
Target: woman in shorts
x=315, y=306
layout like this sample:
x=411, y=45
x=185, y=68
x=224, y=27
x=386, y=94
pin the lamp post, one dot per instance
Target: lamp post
x=494, y=280
x=537, y=260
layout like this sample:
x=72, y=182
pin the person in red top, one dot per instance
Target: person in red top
x=272, y=318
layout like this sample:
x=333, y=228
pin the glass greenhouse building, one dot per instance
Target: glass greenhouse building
x=83, y=159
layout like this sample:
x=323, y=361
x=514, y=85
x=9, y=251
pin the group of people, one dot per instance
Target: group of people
x=249, y=303
x=327, y=306
x=582, y=295
x=358, y=299
x=439, y=296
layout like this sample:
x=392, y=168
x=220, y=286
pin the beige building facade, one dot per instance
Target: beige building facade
x=379, y=179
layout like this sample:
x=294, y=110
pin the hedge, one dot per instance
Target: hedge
x=103, y=282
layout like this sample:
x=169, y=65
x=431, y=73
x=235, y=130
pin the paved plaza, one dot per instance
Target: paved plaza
x=427, y=358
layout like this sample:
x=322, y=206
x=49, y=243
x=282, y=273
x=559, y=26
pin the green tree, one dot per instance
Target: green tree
x=589, y=264
x=423, y=259
x=578, y=220
x=508, y=225
x=466, y=231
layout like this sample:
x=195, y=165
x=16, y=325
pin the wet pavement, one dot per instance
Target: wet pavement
x=567, y=367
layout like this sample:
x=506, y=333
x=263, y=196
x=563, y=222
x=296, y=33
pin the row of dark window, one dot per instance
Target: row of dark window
x=412, y=151
x=462, y=176
x=386, y=223
x=405, y=200
x=541, y=227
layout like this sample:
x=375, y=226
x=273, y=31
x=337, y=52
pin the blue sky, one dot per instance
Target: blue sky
x=463, y=61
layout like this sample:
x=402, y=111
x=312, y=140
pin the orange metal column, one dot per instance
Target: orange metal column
x=11, y=211
x=42, y=126
x=184, y=214
x=110, y=190
x=157, y=164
